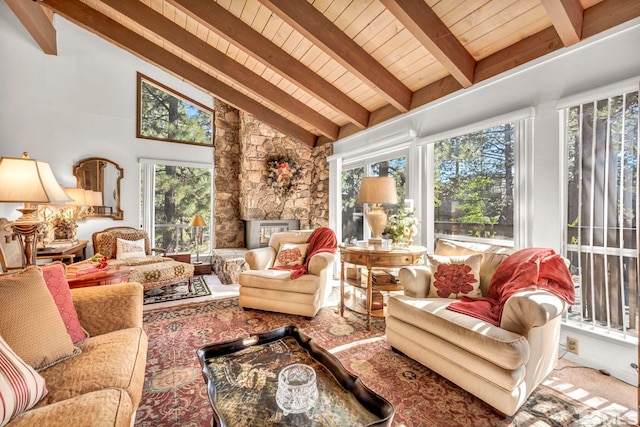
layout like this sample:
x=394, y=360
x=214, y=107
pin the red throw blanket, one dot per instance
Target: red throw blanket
x=526, y=269
x=322, y=239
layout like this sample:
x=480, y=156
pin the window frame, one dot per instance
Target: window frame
x=140, y=78
x=147, y=198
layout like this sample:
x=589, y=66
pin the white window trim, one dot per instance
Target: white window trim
x=148, y=180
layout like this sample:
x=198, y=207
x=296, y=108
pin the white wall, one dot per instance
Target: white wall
x=606, y=59
x=80, y=103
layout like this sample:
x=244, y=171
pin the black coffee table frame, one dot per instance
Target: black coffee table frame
x=379, y=407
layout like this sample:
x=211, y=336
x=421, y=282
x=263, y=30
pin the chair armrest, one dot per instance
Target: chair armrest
x=321, y=261
x=415, y=281
x=159, y=250
x=261, y=258
x=528, y=309
x=108, y=308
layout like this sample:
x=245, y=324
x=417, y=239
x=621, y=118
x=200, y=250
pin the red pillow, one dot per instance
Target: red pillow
x=56, y=279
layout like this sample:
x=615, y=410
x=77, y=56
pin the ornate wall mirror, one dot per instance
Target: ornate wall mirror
x=103, y=177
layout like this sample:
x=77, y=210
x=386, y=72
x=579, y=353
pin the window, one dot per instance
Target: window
x=172, y=194
x=601, y=197
x=352, y=212
x=473, y=184
x=166, y=115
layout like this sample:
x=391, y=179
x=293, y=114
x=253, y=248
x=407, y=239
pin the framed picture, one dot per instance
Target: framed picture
x=164, y=114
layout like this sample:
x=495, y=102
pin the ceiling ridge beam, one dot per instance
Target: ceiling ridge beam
x=37, y=23
x=434, y=35
x=95, y=22
x=567, y=18
x=234, y=30
x=312, y=24
x=201, y=50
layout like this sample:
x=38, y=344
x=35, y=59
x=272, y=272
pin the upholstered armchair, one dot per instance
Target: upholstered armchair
x=269, y=289
x=129, y=246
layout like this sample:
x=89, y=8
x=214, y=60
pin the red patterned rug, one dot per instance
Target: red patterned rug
x=175, y=392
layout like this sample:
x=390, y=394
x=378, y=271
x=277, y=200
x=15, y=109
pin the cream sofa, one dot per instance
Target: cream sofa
x=274, y=290
x=102, y=385
x=499, y=365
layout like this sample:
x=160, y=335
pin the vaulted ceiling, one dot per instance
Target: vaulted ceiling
x=321, y=70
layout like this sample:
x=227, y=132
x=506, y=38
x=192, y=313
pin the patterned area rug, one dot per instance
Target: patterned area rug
x=178, y=291
x=175, y=392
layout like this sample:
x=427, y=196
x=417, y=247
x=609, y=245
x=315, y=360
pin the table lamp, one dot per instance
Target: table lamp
x=198, y=223
x=28, y=181
x=377, y=190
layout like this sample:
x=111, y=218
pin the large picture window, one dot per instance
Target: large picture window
x=474, y=182
x=166, y=115
x=172, y=194
x=601, y=197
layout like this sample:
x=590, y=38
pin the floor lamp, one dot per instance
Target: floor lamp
x=28, y=181
x=198, y=222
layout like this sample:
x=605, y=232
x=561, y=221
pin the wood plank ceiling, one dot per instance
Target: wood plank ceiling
x=321, y=70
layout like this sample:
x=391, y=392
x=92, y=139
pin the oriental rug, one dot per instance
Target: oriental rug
x=175, y=392
x=177, y=291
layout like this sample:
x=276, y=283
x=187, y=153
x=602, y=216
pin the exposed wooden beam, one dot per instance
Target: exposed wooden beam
x=37, y=22
x=94, y=21
x=226, y=25
x=608, y=14
x=196, y=47
x=312, y=24
x=566, y=17
x=427, y=27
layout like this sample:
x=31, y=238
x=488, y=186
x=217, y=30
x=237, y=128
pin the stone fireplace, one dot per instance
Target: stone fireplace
x=257, y=232
x=243, y=146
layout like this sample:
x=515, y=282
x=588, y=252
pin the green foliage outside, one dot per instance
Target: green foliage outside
x=180, y=193
x=473, y=185
x=164, y=116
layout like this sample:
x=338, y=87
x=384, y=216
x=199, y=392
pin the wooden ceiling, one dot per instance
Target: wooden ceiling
x=321, y=70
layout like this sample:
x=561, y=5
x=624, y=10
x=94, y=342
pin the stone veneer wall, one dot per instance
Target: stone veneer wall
x=243, y=145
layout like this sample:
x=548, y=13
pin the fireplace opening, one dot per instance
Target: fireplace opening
x=257, y=232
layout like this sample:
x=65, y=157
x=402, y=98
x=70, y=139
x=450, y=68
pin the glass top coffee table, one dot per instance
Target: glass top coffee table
x=248, y=384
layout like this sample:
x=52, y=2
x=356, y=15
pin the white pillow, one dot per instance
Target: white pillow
x=454, y=276
x=127, y=249
x=20, y=386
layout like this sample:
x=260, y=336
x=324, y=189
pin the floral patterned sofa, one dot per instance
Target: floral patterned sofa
x=153, y=271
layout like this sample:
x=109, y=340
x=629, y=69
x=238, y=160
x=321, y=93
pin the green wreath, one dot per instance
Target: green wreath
x=284, y=175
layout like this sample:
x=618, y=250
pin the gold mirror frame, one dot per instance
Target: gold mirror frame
x=103, y=175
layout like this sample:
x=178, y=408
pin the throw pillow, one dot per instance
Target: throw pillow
x=30, y=322
x=56, y=279
x=291, y=254
x=20, y=386
x=127, y=249
x=454, y=276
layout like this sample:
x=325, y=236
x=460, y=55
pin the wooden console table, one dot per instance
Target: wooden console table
x=73, y=251
x=371, y=259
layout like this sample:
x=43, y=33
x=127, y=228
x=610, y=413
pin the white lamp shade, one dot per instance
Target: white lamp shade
x=378, y=189
x=78, y=196
x=29, y=181
x=94, y=198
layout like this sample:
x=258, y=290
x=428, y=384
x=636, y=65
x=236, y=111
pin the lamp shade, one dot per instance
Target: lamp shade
x=27, y=180
x=198, y=221
x=94, y=198
x=78, y=195
x=378, y=189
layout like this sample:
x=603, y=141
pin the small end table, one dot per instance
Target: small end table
x=111, y=276
x=202, y=268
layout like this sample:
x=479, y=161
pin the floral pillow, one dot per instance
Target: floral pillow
x=454, y=276
x=291, y=254
x=127, y=249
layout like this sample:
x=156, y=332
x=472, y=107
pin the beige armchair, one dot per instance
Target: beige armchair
x=273, y=290
x=153, y=271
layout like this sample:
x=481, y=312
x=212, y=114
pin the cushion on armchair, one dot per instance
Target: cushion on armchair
x=454, y=276
x=291, y=254
x=127, y=249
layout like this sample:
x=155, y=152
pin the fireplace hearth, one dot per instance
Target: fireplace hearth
x=257, y=232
